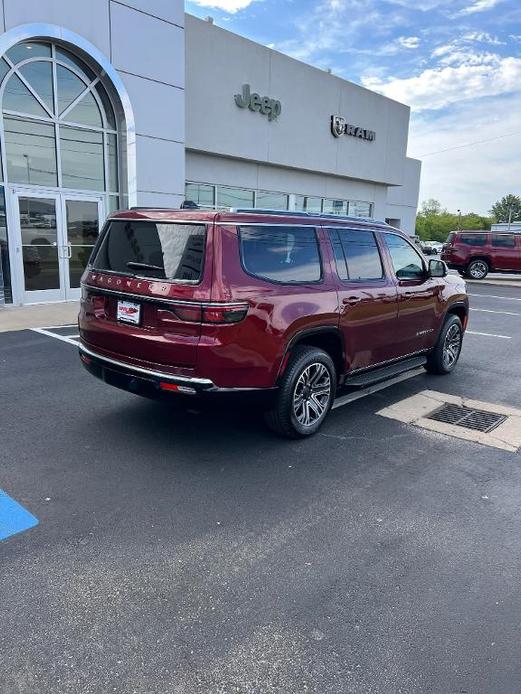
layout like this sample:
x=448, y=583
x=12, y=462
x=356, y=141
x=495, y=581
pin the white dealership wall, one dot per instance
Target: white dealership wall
x=296, y=153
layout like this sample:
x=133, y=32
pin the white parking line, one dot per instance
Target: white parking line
x=501, y=337
x=503, y=313
x=63, y=338
x=496, y=296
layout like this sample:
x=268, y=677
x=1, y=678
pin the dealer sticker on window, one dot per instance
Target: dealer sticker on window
x=129, y=312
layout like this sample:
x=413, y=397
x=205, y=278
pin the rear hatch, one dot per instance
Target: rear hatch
x=143, y=291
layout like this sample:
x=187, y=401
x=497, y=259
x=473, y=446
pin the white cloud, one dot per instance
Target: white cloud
x=409, y=41
x=470, y=178
x=479, y=6
x=226, y=5
x=483, y=37
x=435, y=88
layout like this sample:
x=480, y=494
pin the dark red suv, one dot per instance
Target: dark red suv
x=296, y=306
x=476, y=253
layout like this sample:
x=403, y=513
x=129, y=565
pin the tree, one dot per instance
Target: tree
x=507, y=209
x=430, y=206
x=434, y=224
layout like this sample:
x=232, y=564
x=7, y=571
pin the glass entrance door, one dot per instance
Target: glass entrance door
x=82, y=216
x=39, y=252
x=56, y=234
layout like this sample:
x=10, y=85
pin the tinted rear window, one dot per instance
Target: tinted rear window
x=151, y=249
x=281, y=254
x=356, y=254
x=473, y=239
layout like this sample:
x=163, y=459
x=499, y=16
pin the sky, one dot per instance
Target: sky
x=456, y=63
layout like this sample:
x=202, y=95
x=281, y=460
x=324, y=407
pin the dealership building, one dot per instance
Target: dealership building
x=111, y=104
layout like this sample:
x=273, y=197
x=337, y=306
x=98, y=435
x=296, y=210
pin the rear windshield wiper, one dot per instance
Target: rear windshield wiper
x=145, y=266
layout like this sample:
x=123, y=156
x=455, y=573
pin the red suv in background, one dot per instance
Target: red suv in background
x=289, y=304
x=476, y=253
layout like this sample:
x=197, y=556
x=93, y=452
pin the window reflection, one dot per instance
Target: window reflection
x=39, y=76
x=18, y=98
x=39, y=243
x=76, y=63
x=29, y=49
x=200, y=193
x=235, y=197
x=271, y=201
x=30, y=152
x=5, y=271
x=86, y=112
x=81, y=159
x=69, y=87
x=113, y=163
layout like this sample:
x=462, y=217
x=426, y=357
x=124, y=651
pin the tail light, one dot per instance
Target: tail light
x=222, y=314
x=230, y=313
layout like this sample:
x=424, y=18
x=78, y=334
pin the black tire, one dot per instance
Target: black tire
x=477, y=269
x=286, y=417
x=444, y=357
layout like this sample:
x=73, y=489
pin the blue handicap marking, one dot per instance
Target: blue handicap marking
x=13, y=517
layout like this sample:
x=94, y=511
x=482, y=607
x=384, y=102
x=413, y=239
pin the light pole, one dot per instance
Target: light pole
x=459, y=220
x=509, y=217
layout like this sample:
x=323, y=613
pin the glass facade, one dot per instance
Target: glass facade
x=210, y=196
x=60, y=132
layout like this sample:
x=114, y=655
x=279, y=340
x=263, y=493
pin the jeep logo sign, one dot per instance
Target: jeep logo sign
x=340, y=127
x=262, y=104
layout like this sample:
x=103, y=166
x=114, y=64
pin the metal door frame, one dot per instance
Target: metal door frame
x=64, y=292
x=73, y=293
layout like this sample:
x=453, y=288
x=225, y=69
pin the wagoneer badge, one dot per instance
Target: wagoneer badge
x=339, y=127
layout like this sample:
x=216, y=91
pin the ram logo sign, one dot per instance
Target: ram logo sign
x=339, y=127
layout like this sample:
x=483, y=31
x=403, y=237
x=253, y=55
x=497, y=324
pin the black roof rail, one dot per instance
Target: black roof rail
x=298, y=213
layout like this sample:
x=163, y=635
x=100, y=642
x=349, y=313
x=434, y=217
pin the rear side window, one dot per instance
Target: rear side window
x=281, y=254
x=154, y=250
x=503, y=241
x=356, y=254
x=473, y=239
x=407, y=263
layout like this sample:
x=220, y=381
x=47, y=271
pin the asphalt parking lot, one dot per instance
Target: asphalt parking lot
x=182, y=553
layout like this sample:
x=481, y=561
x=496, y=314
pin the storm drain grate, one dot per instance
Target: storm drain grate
x=469, y=418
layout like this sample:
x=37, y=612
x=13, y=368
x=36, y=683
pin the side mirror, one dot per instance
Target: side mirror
x=437, y=268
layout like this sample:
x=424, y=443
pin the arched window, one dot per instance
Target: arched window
x=59, y=126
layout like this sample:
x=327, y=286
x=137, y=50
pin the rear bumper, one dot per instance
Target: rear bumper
x=151, y=383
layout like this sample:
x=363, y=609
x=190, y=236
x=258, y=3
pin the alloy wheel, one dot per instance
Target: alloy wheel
x=478, y=270
x=312, y=394
x=452, y=346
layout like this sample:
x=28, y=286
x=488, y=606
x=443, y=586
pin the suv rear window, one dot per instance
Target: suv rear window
x=281, y=254
x=473, y=239
x=154, y=250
